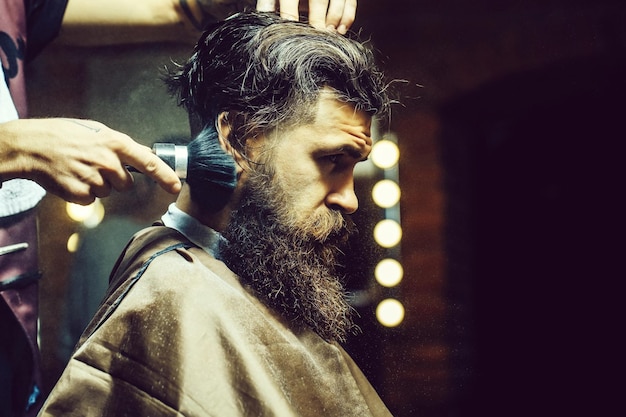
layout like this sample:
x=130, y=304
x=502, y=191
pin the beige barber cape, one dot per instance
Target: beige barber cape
x=177, y=335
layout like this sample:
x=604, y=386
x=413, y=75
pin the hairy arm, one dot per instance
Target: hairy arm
x=110, y=22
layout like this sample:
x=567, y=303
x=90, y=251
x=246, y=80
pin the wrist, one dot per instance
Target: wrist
x=203, y=12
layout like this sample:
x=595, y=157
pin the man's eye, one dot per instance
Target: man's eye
x=334, y=159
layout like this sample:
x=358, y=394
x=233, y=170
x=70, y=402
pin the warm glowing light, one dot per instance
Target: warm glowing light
x=389, y=272
x=387, y=233
x=72, y=242
x=390, y=312
x=385, y=154
x=90, y=215
x=77, y=212
x=386, y=193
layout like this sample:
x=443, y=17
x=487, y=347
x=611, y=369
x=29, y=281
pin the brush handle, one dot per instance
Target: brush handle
x=175, y=156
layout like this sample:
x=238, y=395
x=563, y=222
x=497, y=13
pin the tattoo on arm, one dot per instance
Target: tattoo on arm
x=92, y=128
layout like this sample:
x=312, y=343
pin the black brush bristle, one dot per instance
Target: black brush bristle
x=211, y=172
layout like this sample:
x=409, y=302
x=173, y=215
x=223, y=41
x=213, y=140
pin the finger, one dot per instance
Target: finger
x=102, y=190
x=349, y=14
x=83, y=200
x=120, y=179
x=142, y=158
x=95, y=179
x=317, y=13
x=266, y=5
x=289, y=9
x=72, y=191
x=334, y=14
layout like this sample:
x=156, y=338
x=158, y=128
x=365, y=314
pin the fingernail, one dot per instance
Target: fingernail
x=331, y=28
x=342, y=29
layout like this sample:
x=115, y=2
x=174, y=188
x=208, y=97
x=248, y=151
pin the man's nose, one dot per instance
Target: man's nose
x=343, y=198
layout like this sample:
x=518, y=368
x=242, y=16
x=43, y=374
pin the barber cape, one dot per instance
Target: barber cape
x=178, y=335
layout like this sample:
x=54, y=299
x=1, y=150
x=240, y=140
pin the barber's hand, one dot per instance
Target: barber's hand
x=79, y=160
x=323, y=14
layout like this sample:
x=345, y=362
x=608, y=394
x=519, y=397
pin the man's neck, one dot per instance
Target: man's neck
x=216, y=221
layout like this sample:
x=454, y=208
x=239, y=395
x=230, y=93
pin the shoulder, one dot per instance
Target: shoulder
x=161, y=269
x=185, y=271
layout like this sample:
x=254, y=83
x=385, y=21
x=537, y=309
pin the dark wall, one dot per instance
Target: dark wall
x=534, y=162
x=510, y=177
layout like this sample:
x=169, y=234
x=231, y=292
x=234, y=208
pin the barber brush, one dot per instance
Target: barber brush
x=209, y=170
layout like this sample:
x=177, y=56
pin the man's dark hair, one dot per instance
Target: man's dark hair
x=265, y=71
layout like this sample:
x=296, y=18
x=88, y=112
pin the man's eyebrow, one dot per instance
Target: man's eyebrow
x=354, y=152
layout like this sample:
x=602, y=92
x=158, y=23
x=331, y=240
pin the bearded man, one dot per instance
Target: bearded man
x=232, y=306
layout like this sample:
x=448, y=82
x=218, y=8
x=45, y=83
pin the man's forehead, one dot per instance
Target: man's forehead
x=332, y=121
x=332, y=112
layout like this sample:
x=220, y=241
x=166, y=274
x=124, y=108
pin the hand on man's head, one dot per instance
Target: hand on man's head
x=322, y=14
x=336, y=15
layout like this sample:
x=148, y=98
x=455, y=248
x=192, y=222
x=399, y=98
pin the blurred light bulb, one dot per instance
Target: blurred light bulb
x=72, y=242
x=96, y=218
x=390, y=312
x=90, y=215
x=389, y=272
x=78, y=212
x=387, y=233
x=386, y=193
x=385, y=154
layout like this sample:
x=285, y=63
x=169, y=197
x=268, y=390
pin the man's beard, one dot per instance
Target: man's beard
x=290, y=264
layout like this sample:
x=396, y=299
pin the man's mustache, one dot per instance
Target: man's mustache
x=331, y=225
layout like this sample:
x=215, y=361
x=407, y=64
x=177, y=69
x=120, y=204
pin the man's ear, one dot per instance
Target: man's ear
x=224, y=130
